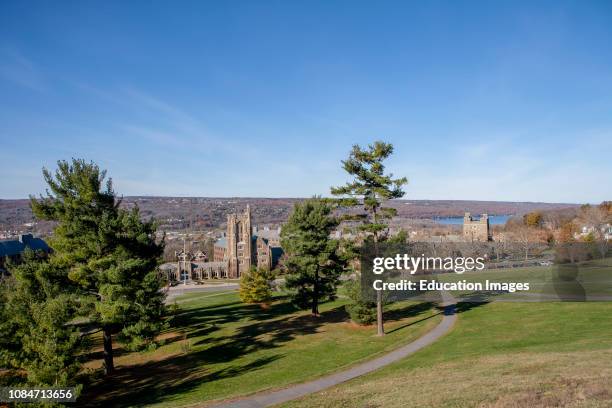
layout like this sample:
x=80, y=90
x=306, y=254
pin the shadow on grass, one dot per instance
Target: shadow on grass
x=155, y=382
x=410, y=311
x=268, y=334
x=263, y=329
x=462, y=307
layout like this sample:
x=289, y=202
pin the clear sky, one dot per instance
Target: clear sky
x=483, y=100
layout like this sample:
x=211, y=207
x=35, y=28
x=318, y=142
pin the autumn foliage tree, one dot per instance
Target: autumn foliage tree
x=567, y=232
x=255, y=286
x=533, y=219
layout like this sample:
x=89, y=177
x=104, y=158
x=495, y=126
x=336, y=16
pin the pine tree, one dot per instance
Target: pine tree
x=10, y=341
x=39, y=308
x=370, y=187
x=255, y=286
x=313, y=263
x=359, y=309
x=110, y=254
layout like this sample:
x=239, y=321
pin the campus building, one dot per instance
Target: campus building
x=476, y=229
x=242, y=247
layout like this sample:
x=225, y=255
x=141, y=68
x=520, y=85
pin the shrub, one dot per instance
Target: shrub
x=255, y=286
x=361, y=311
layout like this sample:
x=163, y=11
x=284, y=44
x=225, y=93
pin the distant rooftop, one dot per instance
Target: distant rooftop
x=12, y=247
x=221, y=242
x=265, y=235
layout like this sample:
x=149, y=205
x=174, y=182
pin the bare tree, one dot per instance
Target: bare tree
x=595, y=219
x=528, y=239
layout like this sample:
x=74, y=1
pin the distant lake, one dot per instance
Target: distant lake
x=493, y=220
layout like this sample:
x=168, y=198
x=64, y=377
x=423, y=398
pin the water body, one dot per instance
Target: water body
x=493, y=220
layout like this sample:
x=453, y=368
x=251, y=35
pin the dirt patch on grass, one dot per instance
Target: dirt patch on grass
x=170, y=336
x=576, y=379
x=355, y=326
x=560, y=393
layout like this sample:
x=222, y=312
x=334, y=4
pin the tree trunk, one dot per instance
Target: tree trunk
x=315, y=306
x=379, y=314
x=380, y=328
x=109, y=366
x=315, y=294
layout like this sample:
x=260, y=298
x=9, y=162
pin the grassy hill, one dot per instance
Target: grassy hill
x=220, y=348
x=498, y=355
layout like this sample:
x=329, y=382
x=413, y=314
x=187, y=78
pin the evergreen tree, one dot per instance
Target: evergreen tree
x=10, y=343
x=359, y=309
x=370, y=188
x=110, y=255
x=255, y=286
x=313, y=263
x=39, y=309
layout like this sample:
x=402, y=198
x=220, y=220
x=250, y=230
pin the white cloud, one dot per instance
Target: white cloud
x=16, y=68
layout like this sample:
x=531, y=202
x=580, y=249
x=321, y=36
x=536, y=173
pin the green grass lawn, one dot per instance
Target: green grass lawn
x=220, y=348
x=498, y=355
x=592, y=279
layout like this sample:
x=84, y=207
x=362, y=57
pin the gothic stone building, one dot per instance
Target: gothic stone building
x=192, y=266
x=476, y=229
x=244, y=247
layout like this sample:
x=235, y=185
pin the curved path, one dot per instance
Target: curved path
x=267, y=398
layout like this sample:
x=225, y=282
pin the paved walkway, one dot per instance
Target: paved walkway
x=268, y=398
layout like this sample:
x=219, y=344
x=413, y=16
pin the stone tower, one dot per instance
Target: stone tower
x=239, y=243
x=476, y=230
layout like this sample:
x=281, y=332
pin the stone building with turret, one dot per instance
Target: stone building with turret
x=238, y=238
x=244, y=246
x=476, y=229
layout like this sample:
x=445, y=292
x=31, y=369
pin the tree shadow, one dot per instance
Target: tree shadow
x=461, y=307
x=481, y=296
x=269, y=334
x=263, y=329
x=154, y=382
x=215, y=315
x=95, y=349
x=410, y=311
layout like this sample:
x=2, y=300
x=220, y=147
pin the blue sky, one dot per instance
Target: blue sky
x=482, y=100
